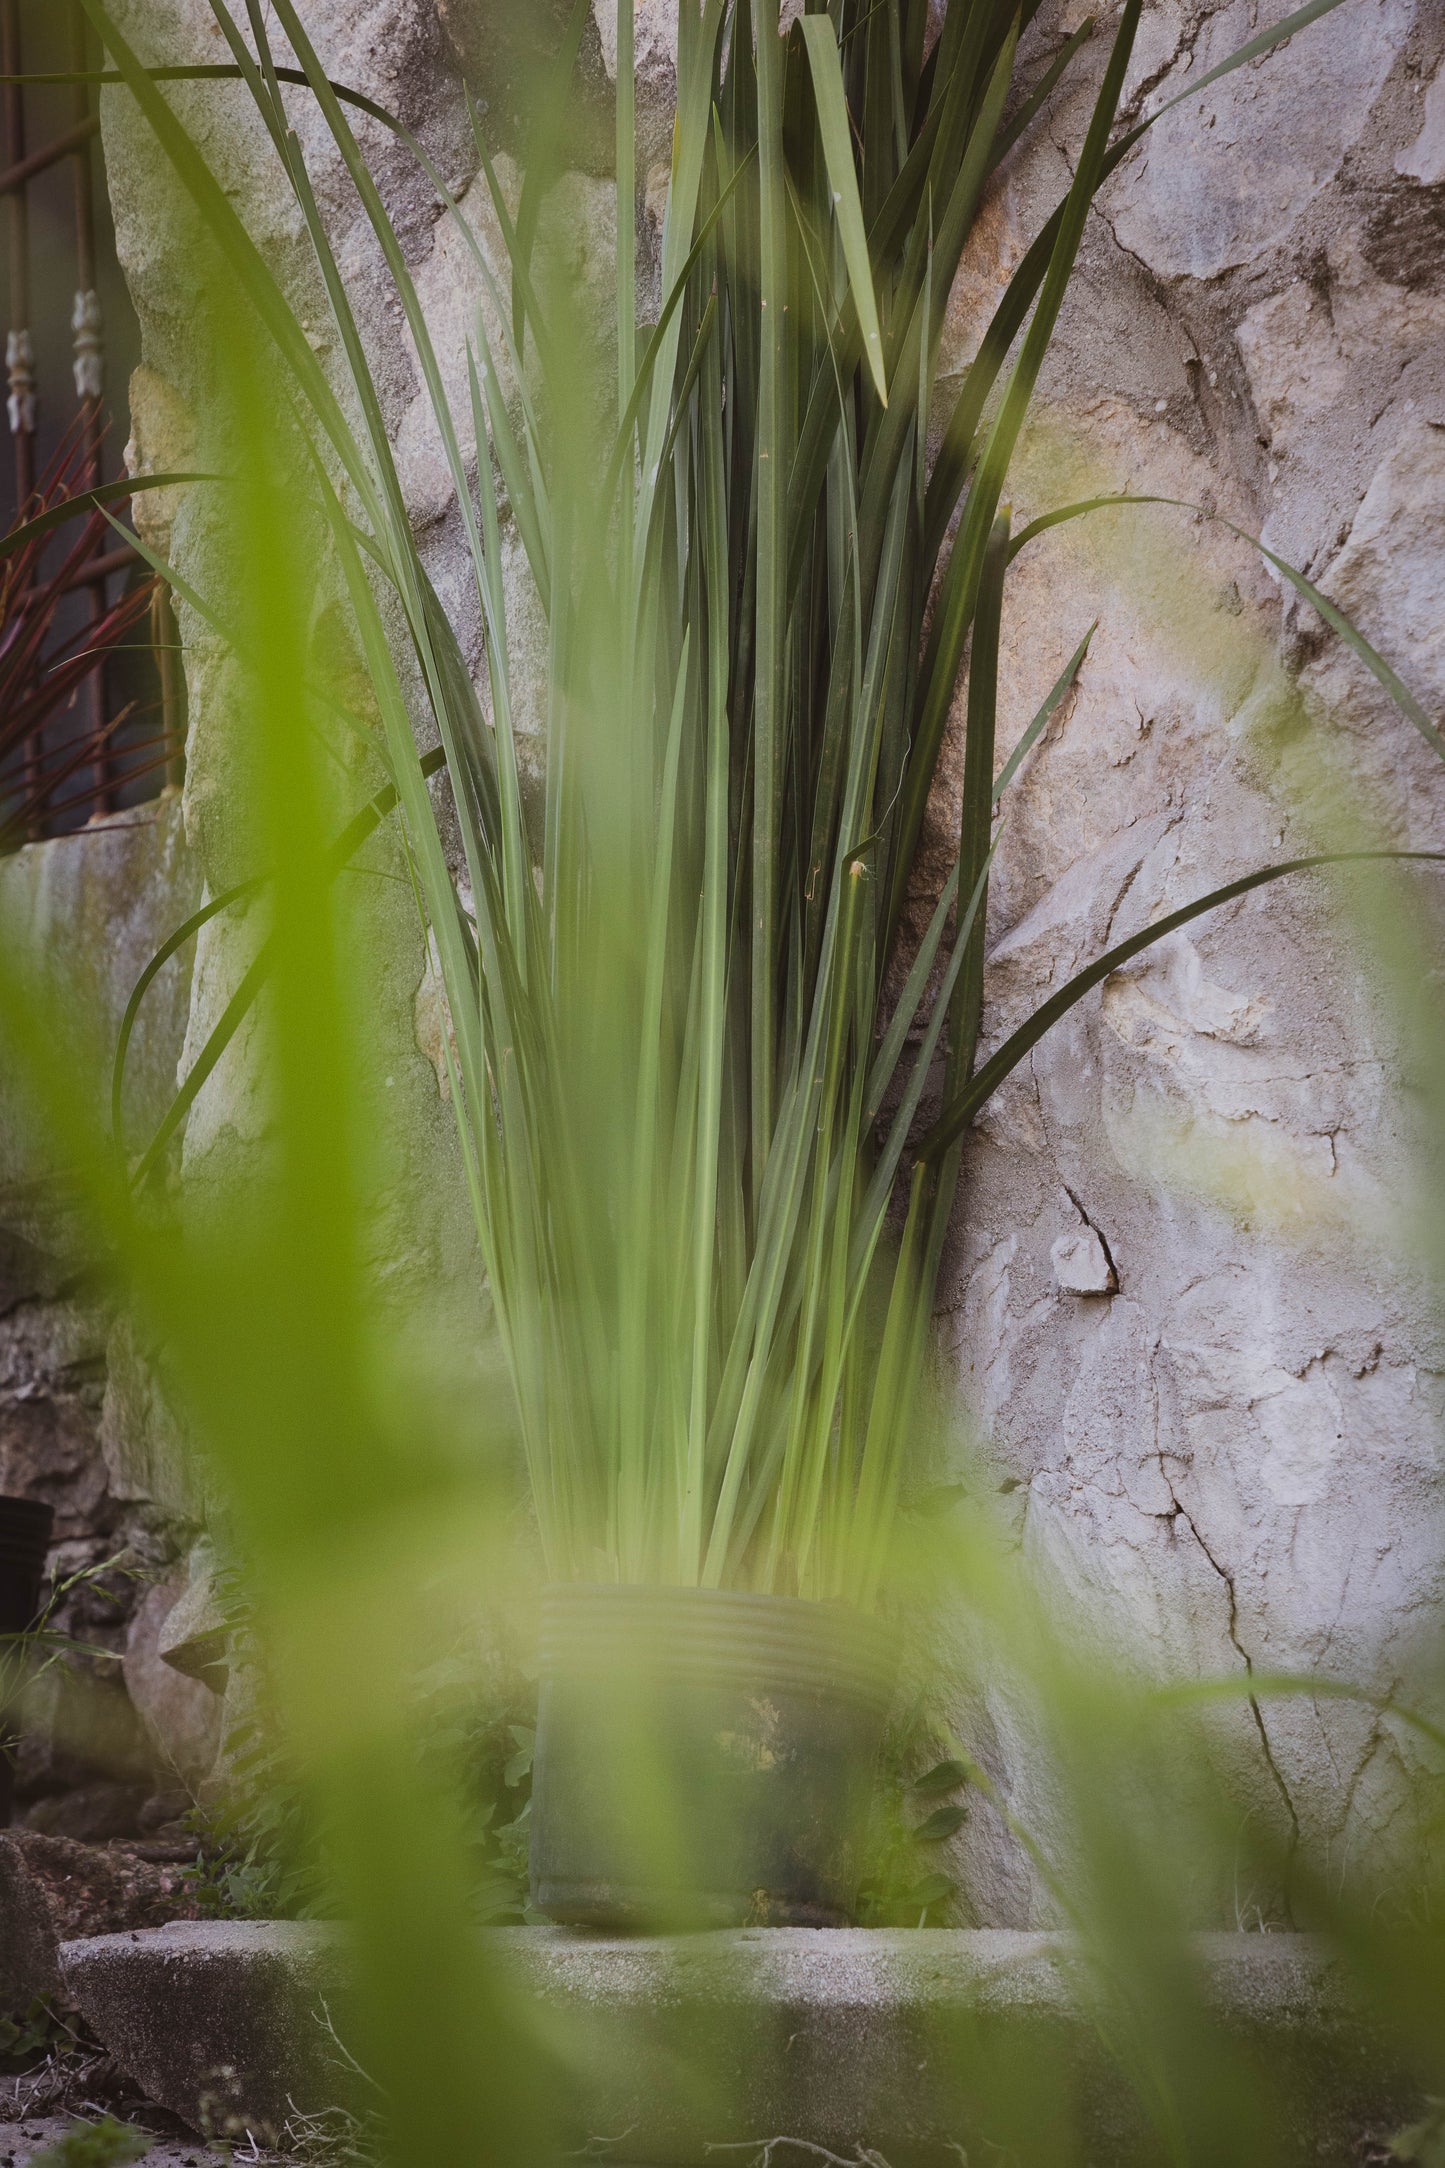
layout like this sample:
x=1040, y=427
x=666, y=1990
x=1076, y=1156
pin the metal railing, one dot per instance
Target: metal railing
x=86, y=413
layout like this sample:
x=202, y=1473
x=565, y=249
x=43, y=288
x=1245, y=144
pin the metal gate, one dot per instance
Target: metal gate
x=87, y=646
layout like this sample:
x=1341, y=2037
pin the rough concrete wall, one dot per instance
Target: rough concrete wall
x=1175, y=1301
x=1179, y=1298
x=421, y=1228
x=91, y=910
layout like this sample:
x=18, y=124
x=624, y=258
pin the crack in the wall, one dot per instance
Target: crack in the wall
x=1131, y=107
x=1378, y=1737
x=1090, y=1222
x=1125, y=887
x=1160, y=290
x=1181, y=1512
x=1156, y=286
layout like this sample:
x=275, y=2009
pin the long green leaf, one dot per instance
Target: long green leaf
x=960, y=584
x=960, y=1110
x=1057, y=692
x=343, y=850
x=822, y=48
x=91, y=500
x=210, y=72
x=1334, y=617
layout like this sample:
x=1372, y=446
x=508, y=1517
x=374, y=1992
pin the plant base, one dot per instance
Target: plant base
x=703, y=1757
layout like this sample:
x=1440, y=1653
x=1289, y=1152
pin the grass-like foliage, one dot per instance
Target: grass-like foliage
x=693, y=1024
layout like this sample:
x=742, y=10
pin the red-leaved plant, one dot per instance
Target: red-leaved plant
x=48, y=773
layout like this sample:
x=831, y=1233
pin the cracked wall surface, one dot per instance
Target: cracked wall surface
x=1177, y=1302
x=1233, y=1454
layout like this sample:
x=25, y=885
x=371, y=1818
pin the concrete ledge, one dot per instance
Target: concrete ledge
x=221, y=2021
x=913, y=2043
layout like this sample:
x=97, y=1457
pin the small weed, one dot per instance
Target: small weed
x=261, y=1856
x=106, y=2144
x=903, y=1884
x=26, y=1657
x=56, y=2066
x=1423, y=2143
x=25, y=2041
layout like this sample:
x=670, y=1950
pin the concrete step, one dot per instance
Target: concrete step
x=914, y=2044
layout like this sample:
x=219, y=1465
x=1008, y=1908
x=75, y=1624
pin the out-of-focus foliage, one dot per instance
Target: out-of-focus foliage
x=261, y=1853
x=918, y=1804
x=103, y=2144
x=369, y=1540
x=372, y=1547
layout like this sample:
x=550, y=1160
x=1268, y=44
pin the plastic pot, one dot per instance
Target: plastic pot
x=25, y=1527
x=24, y=1540
x=704, y=1757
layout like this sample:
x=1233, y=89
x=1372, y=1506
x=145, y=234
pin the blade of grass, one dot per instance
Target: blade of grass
x=1058, y=691
x=822, y=49
x=22, y=536
x=769, y=716
x=1334, y=617
x=960, y=1110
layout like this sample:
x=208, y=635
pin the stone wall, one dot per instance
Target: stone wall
x=111, y=1733
x=1180, y=1298
x=1175, y=1302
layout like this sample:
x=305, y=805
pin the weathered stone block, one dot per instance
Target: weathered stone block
x=52, y=1888
x=181, y=1714
x=89, y=912
x=220, y=2021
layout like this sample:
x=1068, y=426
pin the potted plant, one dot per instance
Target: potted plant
x=694, y=1010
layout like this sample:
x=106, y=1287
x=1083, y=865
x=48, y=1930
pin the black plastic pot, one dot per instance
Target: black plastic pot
x=704, y=1757
x=24, y=1540
x=25, y=1527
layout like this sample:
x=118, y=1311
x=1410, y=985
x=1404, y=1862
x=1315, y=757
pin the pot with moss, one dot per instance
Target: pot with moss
x=704, y=1757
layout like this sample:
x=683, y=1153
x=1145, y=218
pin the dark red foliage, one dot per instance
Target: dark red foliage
x=51, y=649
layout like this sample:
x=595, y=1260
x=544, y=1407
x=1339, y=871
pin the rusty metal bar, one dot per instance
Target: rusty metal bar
x=35, y=163
x=19, y=345
x=20, y=165
x=99, y=568
x=20, y=349
x=86, y=323
x=88, y=330
x=165, y=639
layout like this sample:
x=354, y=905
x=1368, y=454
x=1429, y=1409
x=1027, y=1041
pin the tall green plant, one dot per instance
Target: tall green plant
x=687, y=1105
x=364, y=1553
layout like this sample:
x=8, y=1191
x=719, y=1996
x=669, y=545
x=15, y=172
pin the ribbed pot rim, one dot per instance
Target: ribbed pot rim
x=22, y=1518
x=723, y=1636
x=23, y=1554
